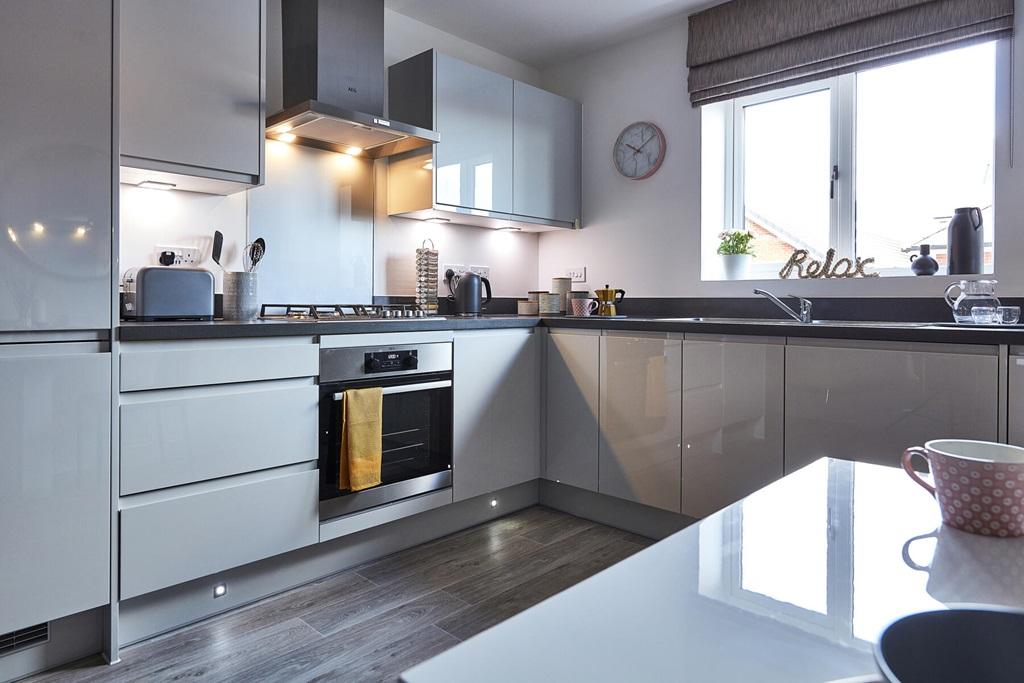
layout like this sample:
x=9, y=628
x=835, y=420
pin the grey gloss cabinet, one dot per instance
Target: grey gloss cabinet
x=54, y=481
x=640, y=393
x=473, y=115
x=571, y=427
x=496, y=400
x=547, y=161
x=869, y=401
x=732, y=419
x=181, y=436
x=192, y=89
x=177, y=536
x=56, y=170
x=1015, y=389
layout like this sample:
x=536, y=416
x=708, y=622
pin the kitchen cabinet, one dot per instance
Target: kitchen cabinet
x=571, y=382
x=640, y=394
x=732, y=419
x=509, y=153
x=54, y=479
x=547, y=161
x=869, y=401
x=473, y=161
x=1015, y=390
x=172, y=536
x=496, y=406
x=181, y=436
x=192, y=93
x=56, y=166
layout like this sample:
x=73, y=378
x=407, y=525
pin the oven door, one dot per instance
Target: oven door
x=416, y=442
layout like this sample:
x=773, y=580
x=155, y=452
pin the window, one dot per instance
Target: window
x=871, y=164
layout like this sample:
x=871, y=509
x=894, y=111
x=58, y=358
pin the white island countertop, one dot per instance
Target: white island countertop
x=793, y=583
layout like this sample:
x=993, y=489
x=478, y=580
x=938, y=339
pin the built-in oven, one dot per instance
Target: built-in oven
x=416, y=435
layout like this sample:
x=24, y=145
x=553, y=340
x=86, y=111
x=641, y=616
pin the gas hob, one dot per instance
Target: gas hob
x=338, y=312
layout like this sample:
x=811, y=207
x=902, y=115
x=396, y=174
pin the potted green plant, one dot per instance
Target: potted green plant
x=736, y=252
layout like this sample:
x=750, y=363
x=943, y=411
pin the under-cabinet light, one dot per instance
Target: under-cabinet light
x=354, y=151
x=220, y=590
x=438, y=220
x=286, y=137
x=38, y=228
x=494, y=502
x=510, y=228
x=156, y=185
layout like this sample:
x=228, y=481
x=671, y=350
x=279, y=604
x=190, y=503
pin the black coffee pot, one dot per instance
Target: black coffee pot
x=924, y=263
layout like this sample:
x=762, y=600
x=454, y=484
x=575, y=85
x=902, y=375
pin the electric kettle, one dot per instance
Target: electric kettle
x=466, y=292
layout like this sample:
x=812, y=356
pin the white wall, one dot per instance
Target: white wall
x=644, y=236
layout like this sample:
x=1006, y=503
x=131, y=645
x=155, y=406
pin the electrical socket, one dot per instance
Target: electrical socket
x=456, y=268
x=482, y=271
x=183, y=256
x=578, y=274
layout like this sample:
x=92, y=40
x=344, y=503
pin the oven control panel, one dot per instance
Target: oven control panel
x=390, y=361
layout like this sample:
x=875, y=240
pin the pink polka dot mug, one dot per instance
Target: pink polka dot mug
x=979, y=485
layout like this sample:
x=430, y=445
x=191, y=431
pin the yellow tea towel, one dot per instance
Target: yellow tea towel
x=360, y=439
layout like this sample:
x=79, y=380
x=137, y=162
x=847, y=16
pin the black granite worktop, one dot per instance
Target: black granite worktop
x=894, y=331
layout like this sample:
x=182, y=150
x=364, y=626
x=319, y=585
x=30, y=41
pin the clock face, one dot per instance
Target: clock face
x=639, y=150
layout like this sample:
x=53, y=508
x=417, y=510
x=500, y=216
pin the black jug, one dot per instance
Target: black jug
x=924, y=263
x=466, y=291
x=966, y=241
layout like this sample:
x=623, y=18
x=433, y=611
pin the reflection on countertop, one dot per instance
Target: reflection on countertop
x=793, y=583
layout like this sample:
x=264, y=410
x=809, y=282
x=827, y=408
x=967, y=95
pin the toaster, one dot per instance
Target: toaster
x=162, y=293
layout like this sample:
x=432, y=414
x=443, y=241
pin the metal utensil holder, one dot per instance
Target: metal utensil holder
x=426, y=278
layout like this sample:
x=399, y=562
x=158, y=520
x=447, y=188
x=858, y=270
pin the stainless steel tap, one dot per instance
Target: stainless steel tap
x=804, y=316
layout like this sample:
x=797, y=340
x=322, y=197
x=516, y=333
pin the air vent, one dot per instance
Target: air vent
x=23, y=638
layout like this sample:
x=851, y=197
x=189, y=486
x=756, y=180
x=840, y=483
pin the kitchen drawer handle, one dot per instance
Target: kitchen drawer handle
x=406, y=388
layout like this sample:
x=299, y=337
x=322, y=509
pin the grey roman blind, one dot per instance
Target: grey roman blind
x=746, y=46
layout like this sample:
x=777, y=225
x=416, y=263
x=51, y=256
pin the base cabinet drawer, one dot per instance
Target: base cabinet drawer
x=172, y=540
x=169, y=438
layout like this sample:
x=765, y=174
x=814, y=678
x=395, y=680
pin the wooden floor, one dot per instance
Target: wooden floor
x=372, y=622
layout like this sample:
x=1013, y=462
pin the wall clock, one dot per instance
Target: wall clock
x=639, y=150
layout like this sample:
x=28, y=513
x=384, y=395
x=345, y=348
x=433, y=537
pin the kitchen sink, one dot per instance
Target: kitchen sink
x=787, y=321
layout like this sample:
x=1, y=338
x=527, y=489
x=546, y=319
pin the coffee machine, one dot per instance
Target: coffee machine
x=607, y=298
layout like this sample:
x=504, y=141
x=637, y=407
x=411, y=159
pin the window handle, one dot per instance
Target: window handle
x=832, y=182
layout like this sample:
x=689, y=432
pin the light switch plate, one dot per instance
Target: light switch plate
x=578, y=274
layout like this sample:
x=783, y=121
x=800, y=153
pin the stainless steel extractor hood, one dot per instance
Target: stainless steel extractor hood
x=333, y=81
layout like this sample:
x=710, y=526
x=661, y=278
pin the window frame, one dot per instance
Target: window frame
x=843, y=128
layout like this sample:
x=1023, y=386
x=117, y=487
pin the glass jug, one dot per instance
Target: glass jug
x=972, y=293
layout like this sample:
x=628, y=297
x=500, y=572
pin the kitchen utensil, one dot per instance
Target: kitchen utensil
x=240, y=299
x=984, y=315
x=972, y=293
x=524, y=307
x=608, y=299
x=218, y=245
x=547, y=303
x=1008, y=315
x=561, y=287
x=466, y=291
x=426, y=277
x=953, y=646
x=254, y=254
x=582, y=308
x=979, y=484
x=924, y=263
x=159, y=293
x=968, y=569
x=966, y=242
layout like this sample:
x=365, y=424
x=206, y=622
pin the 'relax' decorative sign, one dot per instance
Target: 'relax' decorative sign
x=831, y=268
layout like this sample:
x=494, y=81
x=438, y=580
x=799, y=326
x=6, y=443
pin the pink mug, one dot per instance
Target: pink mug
x=979, y=484
x=582, y=308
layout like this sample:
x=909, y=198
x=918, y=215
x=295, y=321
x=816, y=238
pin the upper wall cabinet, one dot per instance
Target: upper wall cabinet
x=192, y=93
x=509, y=153
x=56, y=170
x=546, y=133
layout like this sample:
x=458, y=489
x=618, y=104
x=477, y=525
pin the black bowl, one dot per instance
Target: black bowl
x=984, y=645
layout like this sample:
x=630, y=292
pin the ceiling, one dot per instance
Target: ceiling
x=542, y=33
